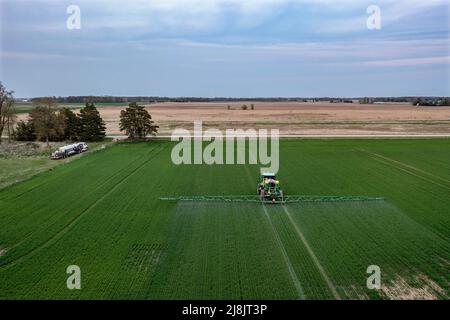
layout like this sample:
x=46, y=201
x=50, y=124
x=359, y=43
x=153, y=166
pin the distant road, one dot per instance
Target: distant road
x=316, y=136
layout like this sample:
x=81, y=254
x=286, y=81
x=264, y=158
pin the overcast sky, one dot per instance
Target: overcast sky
x=234, y=48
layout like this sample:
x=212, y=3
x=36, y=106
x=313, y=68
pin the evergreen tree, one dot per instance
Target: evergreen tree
x=91, y=124
x=24, y=131
x=137, y=122
x=72, y=130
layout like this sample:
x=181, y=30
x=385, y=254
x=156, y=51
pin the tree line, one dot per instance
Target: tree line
x=158, y=99
x=48, y=122
x=431, y=102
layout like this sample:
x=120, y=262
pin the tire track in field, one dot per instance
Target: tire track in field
x=410, y=167
x=389, y=162
x=305, y=244
x=411, y=173
x=28, y=190
x=287, y=260
x=385, y=162
x=73, y=222
x=109, y=178
x=39, y=174
x=6, y=198
x=312, y=254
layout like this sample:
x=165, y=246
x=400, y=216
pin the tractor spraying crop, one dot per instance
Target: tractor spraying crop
x=269, y=189
x=269, y=192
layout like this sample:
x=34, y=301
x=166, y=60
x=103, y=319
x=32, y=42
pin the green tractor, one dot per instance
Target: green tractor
x=269, y=189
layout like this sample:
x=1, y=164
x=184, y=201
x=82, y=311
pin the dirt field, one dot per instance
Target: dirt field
x=295, y=118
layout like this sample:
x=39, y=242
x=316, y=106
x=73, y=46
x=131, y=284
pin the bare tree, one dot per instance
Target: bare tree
x=46, y=120
x=7, y=110
x=10, y=123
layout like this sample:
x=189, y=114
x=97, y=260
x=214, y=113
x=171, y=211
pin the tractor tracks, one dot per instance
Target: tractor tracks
x=411, y=167
x=74, y=221
x=426, y=176
x=305, y=243
x=109, y=178
x=287, y=260
x=312, y=254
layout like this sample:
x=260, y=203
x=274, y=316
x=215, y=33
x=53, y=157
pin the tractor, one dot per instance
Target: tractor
x=269, y=189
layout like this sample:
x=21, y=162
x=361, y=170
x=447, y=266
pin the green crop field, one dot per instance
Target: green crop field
x=102, y=213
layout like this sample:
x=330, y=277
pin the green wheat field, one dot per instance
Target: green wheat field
x=103, y=213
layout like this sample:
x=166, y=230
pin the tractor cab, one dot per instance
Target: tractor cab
x=269, y=180
x=269, y=188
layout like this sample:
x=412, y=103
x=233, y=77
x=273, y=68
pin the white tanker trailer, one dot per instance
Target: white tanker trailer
x=69, y=150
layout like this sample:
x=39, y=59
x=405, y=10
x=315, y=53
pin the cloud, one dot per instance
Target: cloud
x=363, y=50
x=445, y=60
x=258, y=39
x=44, y=56
x=213, y=15
x=392, y=11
